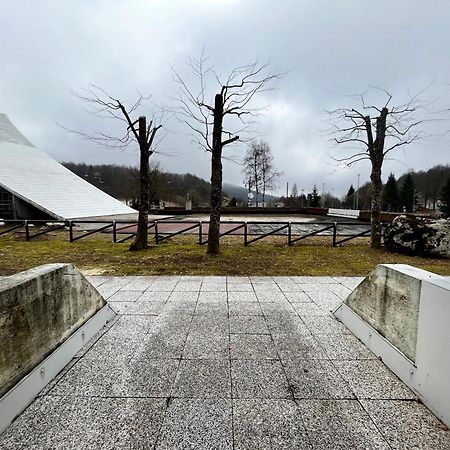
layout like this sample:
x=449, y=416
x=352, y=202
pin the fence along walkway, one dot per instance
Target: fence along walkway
x=252, y=231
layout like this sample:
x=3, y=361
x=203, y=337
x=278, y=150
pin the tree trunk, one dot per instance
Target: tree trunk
x=216, y=178
x=375, y=217
x=141, y=240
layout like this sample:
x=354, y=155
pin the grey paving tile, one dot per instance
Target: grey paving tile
x=72, y=423
x=261, y=279
x=320, y=324
x=350, y=282
x=130, y=325
x=144, y=308
x=266, y=287
x=209, y=297
x=141, y=377
x=298, y=297
x=241, y=308
x=206, y=378
x=335, y=416
x=151, y=296
x=276, y=309
x=344, y=346
x=315, y=280
x=359, y=440
x=120, y=307
x=242, y=297
x=298, y=346
x=268, y=424
x=162, y=344
x=207, y=346
x=239, y=287
x=408, y=425
x=183, y=297
x=308, y=309
x=211, y=308
x=125, y=296
x=287, y=324
x=270, y=296
x=175, y=307
x=318, y=287
x=371, y=379
x=214, y=287
x=259, y=379
x=291, y=287
x=185, y=286
x=111, y=286
x=341, y=291
x=162, y=286
x=316, y=379
x=210, y=323
x=248, y=325
x=238, y=280
x=137, y=284
x=97, y=280
x=252, y=346
x=199, y=424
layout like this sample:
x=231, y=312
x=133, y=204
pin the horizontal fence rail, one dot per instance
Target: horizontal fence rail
x=251, y=231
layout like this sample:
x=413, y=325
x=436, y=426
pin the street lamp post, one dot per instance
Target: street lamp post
x=357, y=193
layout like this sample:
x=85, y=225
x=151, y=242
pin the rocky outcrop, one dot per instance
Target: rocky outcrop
x=419, y=236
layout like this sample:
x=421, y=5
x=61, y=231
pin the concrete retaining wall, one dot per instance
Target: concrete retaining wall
x=402, y=314
x=39, y=309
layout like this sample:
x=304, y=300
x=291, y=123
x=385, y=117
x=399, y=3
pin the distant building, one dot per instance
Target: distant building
x=35, y=186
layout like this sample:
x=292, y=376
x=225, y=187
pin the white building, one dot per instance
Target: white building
x=35, y=186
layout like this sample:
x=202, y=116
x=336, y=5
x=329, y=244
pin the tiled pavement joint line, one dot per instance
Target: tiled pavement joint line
x=169, y=399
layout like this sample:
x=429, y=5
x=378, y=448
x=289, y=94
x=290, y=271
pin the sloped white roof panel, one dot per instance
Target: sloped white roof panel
x=38, y=179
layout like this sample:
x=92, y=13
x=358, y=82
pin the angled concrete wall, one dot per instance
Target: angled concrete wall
x=40, y=309
x=403, y=314
x=388, y=299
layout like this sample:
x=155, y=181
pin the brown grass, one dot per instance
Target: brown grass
x=182, y=255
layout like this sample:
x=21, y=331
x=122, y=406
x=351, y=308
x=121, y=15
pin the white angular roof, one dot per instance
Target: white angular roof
x=36, y=178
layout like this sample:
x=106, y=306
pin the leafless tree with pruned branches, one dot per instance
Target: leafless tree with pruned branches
x=372, y=132
x=138, y=131
x=204, y=113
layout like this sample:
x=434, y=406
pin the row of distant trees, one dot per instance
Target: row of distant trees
x=423, y=189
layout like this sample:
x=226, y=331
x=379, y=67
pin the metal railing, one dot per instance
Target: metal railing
x=252, y=231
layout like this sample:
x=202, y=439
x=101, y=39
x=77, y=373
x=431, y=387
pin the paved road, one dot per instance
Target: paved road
x=226, y=363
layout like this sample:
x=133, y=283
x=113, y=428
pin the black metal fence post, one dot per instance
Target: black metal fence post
x=334, y=234
x=70, y=231
x=156, y=231
x=114, y=224
x=245, y=233
x=289, y=234
x=200, y=232
x=27, y=231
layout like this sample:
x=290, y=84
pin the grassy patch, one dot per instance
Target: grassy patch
x=97, y=255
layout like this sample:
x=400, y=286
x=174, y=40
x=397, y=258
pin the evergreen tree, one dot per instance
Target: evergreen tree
x=390, y=194
x=408, y=194
x=445, y=199
x=350, y=196
x=314, y=198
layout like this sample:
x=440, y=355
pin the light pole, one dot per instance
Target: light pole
x=357, y=193
x=323, y=194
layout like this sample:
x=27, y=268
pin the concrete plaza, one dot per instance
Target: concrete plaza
x=226, y=363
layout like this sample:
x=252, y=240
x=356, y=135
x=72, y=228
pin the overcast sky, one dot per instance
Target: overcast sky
x=332, y=49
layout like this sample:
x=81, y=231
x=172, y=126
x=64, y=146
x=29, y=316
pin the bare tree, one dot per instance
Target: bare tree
x=205, y=112
x=269, y=174
x=252, y=168
x=371, y=133
x=138, y=131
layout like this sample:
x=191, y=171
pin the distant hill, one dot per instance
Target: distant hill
x=241, y=193
x=123, y=183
